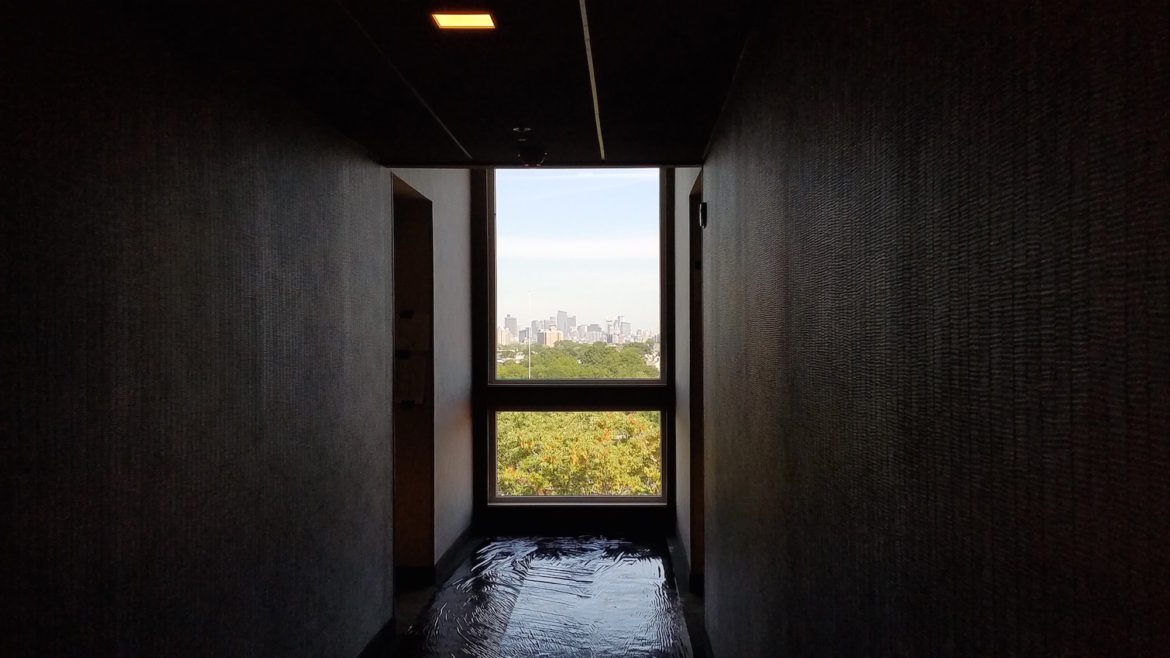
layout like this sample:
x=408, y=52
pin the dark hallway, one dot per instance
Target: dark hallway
x=903, y=389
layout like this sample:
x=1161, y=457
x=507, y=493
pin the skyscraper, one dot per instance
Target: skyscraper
x=550, y=337
x=510, y=325
x=562, y=321
x=504, y=337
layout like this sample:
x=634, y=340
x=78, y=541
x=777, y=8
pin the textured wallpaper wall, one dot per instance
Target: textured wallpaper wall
x=938, y=323
x=196, y=413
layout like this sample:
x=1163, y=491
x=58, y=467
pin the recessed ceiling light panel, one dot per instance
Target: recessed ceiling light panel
x=464, y=20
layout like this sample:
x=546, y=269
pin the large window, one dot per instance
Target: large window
x=577, y=274
x=577, y=390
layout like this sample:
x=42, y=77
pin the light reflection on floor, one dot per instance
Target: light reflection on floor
x=564, y=596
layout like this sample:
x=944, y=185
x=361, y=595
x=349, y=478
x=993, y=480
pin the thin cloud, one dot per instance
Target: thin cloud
x=567, y=250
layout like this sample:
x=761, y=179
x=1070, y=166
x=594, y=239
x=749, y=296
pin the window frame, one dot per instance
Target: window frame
x=491, y=394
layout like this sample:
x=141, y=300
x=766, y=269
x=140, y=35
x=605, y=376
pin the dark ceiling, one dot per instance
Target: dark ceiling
x=381, y=72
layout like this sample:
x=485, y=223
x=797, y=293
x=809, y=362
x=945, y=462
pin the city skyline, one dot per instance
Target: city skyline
x=579, y=239
x=580, y=321
x=617, y=329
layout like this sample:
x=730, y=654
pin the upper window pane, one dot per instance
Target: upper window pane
x=577, y=274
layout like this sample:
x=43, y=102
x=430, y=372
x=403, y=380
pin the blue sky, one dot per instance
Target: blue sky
x=583, y=241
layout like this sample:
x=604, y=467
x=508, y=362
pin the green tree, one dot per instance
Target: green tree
x=568, y=360
x=594, y=453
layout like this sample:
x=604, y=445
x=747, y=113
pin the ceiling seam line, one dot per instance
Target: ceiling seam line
x=402, y=78
x=592, y=78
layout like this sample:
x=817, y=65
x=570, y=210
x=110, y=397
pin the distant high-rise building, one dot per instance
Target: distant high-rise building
x=562, y=321
x=570, y=324
x=524, y=334
x=549, y=337
x=503, y=337
x=536, y=328
x=510, y=325
x=625, y=330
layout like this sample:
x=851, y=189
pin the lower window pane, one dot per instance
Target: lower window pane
x=578, y=453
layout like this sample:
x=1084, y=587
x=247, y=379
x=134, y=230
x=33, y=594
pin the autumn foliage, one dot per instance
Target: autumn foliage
x=579, y=453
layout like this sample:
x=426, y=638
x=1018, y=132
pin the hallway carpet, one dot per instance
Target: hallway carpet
x=565, y=596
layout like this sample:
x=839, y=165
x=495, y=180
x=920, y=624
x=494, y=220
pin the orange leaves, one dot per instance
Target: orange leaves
x=588, y=453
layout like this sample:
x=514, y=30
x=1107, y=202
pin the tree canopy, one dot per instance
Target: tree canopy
x=569, y=360
x=586, y=453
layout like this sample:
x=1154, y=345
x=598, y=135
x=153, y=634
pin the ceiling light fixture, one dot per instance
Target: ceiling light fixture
x=464, y=21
